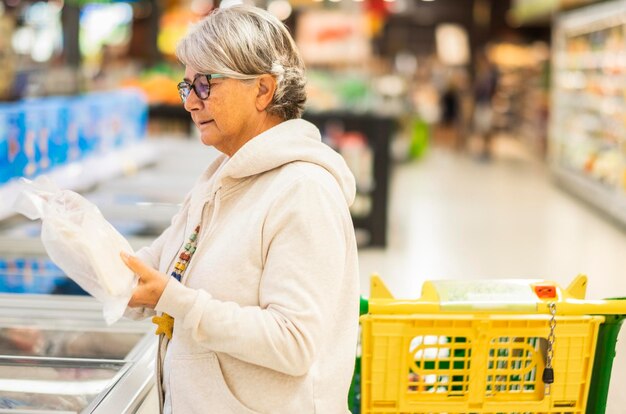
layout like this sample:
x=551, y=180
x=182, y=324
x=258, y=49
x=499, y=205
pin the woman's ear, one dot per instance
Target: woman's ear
x=265, y=91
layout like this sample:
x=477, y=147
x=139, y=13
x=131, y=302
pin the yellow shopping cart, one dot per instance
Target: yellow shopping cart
x=499, y=346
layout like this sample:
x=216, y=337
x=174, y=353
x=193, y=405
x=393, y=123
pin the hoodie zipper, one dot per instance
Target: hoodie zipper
x=161, y=351
x=204, y=234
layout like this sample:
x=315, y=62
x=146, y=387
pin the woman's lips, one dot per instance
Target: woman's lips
x=203, y=123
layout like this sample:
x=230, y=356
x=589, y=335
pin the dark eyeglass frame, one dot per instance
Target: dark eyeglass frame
x=185, y=87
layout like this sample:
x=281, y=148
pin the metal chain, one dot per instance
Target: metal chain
x=551, y=337
x=551, y=340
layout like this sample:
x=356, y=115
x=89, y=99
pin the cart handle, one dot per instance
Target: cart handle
x=567, y=307
x=569, y=301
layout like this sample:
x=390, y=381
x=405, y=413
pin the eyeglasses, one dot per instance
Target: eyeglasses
x=201, y=85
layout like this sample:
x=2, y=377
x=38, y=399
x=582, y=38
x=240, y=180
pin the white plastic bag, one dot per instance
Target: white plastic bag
x=81, y=242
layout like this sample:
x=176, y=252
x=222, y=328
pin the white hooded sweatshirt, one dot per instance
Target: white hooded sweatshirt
x=266, y=315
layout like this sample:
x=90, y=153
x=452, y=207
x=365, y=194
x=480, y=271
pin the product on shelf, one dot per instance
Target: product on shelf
x=159, y=88
x=29, y=275
x=12, y=118
x=5, y=174
x=589, y=100
x=39, y=135
x=587, y=137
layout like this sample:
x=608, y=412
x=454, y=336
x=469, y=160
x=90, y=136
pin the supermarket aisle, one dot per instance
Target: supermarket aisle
x=452, y=217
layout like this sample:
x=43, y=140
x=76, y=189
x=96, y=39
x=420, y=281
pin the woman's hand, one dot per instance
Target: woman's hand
x=151, y=283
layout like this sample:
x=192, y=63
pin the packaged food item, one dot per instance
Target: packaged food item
x=19, y=153
x=5, y=167
x=81, y=242
x=51, y=130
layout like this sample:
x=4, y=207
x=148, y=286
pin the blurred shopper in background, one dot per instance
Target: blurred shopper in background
x=450, y=112
x=450, y=105
x=486, y=82
x=260, y=312
x=454, y=113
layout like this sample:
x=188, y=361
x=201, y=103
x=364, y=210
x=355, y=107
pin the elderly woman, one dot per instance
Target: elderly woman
x=255, y=282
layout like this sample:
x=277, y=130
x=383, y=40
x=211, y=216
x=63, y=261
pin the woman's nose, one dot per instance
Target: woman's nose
x=192, y=103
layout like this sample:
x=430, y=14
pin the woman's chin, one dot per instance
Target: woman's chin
x=206, y=140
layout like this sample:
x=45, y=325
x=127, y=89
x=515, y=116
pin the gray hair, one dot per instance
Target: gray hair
x=243, y=42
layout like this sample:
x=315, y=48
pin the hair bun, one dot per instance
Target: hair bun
x=278, y=70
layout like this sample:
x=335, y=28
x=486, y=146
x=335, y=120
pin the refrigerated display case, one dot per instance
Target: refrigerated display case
x=58, y=356
x=56, y=352
x=520, y=102
x=588, y=110
x=85, y=174
x=153, y=194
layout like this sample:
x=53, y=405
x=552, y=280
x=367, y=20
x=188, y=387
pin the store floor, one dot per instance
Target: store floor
x=453, y=217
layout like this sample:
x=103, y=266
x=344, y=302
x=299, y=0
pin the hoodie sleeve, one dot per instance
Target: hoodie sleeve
x=306, y=235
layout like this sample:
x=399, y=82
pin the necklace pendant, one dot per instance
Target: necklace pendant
x=165, y=325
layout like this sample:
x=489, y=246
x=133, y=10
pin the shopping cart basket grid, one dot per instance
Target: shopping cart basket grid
x=421, y=357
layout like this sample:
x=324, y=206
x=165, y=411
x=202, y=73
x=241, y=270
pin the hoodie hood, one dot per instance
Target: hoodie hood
x=290, y=141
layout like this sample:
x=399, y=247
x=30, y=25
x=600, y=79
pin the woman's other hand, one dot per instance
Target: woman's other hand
x=151, y=283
